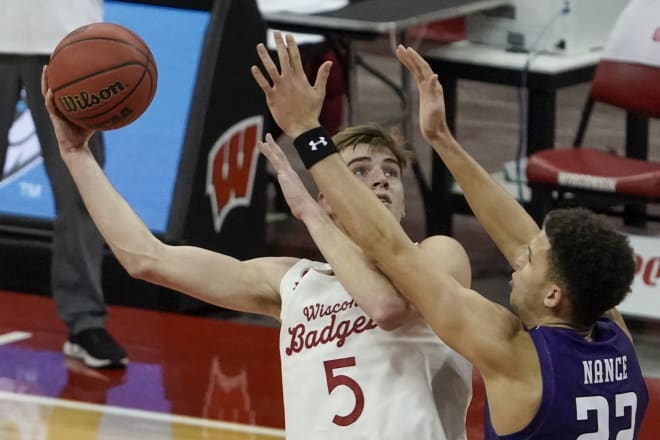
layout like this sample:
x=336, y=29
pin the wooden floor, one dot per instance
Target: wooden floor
x=188, y=378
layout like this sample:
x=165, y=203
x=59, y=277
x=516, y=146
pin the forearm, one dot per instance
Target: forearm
x=503, y=217
x=127, y=236
x=368, y=222
x=362, y=280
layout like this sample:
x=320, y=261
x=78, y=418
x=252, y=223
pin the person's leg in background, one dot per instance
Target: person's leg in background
x=77, y=249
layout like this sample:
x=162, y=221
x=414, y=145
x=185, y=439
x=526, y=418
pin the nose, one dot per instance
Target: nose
x=378, y=179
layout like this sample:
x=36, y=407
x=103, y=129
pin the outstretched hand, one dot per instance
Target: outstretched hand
x=70, y=137
x=295, y=193
x=293, y=102
x=432, y=118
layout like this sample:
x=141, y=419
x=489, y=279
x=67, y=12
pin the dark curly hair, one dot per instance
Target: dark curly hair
x=591, y=260
x=375, y=136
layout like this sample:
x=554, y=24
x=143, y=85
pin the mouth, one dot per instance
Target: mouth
x=384, y=198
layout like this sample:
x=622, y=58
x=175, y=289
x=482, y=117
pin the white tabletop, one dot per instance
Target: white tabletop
x=485, y=55
x=379, y=16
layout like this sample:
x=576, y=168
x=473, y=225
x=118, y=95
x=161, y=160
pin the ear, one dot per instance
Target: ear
x=320, y=198
x=554, y=296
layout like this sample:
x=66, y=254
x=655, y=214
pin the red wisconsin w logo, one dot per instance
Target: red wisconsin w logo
x=231, y=168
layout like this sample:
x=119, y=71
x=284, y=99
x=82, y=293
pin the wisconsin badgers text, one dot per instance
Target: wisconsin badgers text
x=335, y=331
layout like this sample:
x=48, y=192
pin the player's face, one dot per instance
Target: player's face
x=529, y=281
x=379, y=169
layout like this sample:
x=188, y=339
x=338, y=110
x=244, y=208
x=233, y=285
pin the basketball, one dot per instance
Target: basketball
x=103, y=76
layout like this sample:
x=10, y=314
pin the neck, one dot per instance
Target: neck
x=585, y=332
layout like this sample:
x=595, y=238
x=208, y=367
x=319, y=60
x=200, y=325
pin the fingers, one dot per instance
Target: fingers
x=289, y=60
x=260, y=79
x=405, y=59
x=267, y=62
x=322, y=76
x=294, y=54
x=414, y=62
x=282, y=53
x=47, y=92
x=273, y=152
x=421, y=63
x=44, y=80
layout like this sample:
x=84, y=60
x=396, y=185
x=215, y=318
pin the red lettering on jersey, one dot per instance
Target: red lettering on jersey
x=656, y=34
x=320, y=310
x=231, y=169
x=335, y=331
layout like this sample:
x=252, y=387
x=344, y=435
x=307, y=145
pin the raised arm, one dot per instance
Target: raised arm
x=503, y=218
x=362, y=280
x=476, y=327
x=251, y=286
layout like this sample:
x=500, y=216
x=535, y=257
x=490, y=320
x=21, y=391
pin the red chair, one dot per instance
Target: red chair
x=592, y=177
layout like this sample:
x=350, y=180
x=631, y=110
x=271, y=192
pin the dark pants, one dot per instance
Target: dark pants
x=77, y=249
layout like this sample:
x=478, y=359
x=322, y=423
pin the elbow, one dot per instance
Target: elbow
x=139, y=265
x=390, y=315
x=139, y=268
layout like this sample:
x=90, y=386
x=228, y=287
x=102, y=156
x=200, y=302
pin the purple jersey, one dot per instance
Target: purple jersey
x=589, y=387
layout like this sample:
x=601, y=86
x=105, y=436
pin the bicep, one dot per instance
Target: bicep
x=451, y=255
x=465, y=320
x=247, y=286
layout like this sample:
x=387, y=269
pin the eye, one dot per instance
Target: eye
x=391, y=172
x=359, y=171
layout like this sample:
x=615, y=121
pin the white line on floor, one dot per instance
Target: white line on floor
x=140, y=414
x=16, y=336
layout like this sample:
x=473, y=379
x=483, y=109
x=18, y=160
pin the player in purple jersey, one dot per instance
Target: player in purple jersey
x=561, y=364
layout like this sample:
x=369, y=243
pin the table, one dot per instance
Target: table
x=371, y=18
x=545, y=75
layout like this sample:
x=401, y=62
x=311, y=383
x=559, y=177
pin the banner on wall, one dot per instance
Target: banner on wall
x=644, y=299
x=156, y=138
x=219, y=199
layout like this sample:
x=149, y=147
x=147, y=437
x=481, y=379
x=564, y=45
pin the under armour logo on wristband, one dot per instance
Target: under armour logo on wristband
x=314, y=144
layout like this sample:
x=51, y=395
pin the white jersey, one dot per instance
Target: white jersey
x=34, y=27
x=346, y=378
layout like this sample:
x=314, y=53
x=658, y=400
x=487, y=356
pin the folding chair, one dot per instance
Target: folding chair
x=628, y=77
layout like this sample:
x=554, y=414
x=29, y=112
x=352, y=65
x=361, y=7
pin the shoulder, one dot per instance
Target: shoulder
x=273, y=269
x=452, y=254
x=442, y=244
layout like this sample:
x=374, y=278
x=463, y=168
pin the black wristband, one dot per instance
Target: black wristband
x=314, y=145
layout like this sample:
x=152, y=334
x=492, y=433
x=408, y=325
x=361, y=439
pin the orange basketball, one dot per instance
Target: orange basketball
x=103, y=76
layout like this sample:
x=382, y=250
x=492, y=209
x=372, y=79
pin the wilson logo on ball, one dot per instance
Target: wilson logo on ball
x=85, y=100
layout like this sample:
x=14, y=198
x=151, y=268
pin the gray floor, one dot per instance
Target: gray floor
x=487, y=126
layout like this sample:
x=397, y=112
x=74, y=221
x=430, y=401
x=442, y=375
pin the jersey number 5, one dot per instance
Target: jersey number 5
x=334, y=380
x=602, y=408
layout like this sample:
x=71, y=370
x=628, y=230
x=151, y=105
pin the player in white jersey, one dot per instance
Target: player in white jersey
x=362, y=381
x=368, y=371
x=353, y=371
